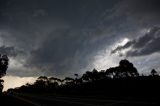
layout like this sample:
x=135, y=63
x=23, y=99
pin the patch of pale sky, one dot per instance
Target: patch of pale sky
x=16, y=81
x=104, y=59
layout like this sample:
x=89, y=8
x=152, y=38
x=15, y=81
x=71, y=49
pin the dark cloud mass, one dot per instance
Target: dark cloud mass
x=8, y=50
x=62, y=37
x=144, y=45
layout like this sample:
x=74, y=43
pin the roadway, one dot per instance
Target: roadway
x=57, y=100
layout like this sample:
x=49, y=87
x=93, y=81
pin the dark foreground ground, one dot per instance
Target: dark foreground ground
x=6, y=100
x=59, y=100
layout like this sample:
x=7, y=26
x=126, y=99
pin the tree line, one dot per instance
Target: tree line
x=120, y=80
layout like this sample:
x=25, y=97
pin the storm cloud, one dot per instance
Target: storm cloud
x=8, y=50
x=63, y=37
x=144, y=45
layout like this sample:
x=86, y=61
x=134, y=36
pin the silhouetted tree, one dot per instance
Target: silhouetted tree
x=69, y=81
x=3, y=68
x=125, y=69
x=41, y=83
x=102, y=74
x=91, y=76
x=52, y=79
x=1, y=85
x=87, y=76
x=110, y=72
x=53, y=83
x=44, y=78
x=76, y=78
x=95, y=75
x=154, y=72
x=76, y=75
x=3, y=64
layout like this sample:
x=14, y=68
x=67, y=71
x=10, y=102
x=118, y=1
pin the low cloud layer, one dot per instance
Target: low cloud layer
x=10, y=51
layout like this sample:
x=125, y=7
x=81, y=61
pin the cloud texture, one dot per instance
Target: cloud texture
x=44, y=37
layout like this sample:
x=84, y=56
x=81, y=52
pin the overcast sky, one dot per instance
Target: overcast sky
x=64, y=37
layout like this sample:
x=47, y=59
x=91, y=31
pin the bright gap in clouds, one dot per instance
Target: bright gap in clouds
x=104, y=60
x=123, y=42
x=15, y=81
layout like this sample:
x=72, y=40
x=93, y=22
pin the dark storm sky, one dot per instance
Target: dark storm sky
x=63, y=37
